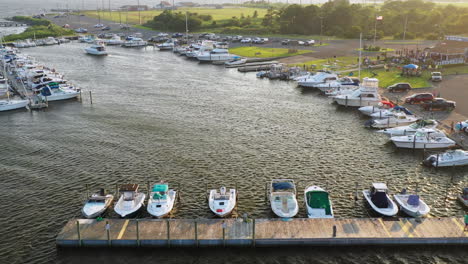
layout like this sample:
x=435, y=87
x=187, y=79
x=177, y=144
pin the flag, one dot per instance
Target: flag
x=380, y=18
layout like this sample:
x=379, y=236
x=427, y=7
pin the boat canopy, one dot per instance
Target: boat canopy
x=413, y=200
x=380, y=186
x=403, y=109
x=160, y=188
x=465, y=191
x=380, y=199
x=282, y=186
x=319, y=199
x=129, y=187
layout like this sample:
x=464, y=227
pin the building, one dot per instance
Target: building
x=163, y=5
x=134, y=8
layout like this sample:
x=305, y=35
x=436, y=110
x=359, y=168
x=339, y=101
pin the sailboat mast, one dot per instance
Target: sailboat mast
x=360, y=52
x=186, y=26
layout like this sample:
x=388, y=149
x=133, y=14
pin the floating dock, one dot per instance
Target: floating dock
x=262, y=232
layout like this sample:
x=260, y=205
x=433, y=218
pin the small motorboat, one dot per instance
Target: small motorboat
x=315, y=79
x=450, y=158
x=130, y=200
x=96, y=50
x=236, y=61
x=379, y=200
x=97, y=204
x=424, y=139
x=283, y=198
x=114, y=40
x=384, y=113
x=134, y=42
x=318, y=203
x=222, y=203
x=342, y=84
x=168, y=45
x=411, y=129
x=463, y=197
x=366, y=95
x=412, y=205
x=397, y=119
x=7, y=103
x=161, y=200
x=382, y=106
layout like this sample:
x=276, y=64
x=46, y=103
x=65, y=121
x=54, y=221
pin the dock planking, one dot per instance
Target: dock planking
x=262, y=232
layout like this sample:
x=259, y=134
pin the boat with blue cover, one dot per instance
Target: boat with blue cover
x=283, y=198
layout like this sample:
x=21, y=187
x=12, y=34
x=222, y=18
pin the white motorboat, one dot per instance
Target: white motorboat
x=283, y=198
x=57, y=94
x=134, y=43
x=411, y=129
x=450, y=158
x=318, y=78
x=236, y=61
x=130, y=200
x=424, y=139
x=86, y=39
x=97, y=204
x=96, y=50
x=382, y=106
x=161, y=200
x=7, y=104
x=463, y=197
x=384, y=113
x=63, y=40
x=379, y=200
x=412, y=205
x=342, y=84
x=168, y=45
x=114, y=40
x=318, y=203
x=397, y=119
x=215, y=55
x=366, y=95
x=50, y=41
x=222, y=203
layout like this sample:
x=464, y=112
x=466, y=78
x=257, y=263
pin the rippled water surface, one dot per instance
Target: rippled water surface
x=156, y=115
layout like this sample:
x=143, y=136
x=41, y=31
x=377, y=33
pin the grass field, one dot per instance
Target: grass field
x=393, y=76
x=338, y=64
x=258, y=52
x=381, y=50
x=217, y=14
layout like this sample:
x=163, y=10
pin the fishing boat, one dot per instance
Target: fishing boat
x=130, y=200
x=236, y=61
x=114, y=40
x=168, y=45
x=450, y=158
x=411, y=129
x=315, y=79
x=215, y=55
x=397, y=119
x=366, y=95
x=463, y=197
x=283, y=198
x=222, y=203
x=379, y=200
x=382, y=106
x=7, y=103
x=161, y=200
x=134, y=42
x=97, y=204
x=412, y=204
x=96, y=50
x=424, y=139
x=318, y=203
x=47, y=93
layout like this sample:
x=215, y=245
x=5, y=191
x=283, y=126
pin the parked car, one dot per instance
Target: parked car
x=163, y=34
x=436, y=76
x=462, y=126
x=237, y=38
x=399, y=87
x=310, y=42
x=106, y=28
x=246, y=40
x=177, y=35
x=98, y=25
x=419, y=98
x=285, y=42
x=439, y=104
x=124, y=27
x=258, y=41
x=81, y=30
x=301, y=43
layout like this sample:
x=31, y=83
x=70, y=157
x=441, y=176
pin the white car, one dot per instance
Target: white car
x=436, y=76
x=237, y=38
x=301, y=43
x=98, y=25
x=246, y=40
x=163, y=35
x=309, y=42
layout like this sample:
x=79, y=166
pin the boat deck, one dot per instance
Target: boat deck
x=262, y=232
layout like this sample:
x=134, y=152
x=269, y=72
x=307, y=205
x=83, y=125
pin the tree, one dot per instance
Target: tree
x=255, y=14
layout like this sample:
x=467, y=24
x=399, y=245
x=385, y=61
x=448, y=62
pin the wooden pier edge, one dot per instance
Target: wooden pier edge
x=262, y=232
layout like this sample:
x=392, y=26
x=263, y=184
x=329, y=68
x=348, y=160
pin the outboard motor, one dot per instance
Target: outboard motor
x=223, y=190
x=102, y=192
x=430, y=160
x=369, y=123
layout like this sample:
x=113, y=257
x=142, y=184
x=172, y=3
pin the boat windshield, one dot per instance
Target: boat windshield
x=319, y=200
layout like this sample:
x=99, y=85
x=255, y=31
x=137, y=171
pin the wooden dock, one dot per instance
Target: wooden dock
x=262, y=232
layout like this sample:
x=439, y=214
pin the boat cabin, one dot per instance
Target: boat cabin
x=378, y=193
x=129, y=191
x=319, y=202
x=159, y=191
x=219, y=51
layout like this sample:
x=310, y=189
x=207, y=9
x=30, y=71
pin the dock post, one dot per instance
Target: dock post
x=356, y=192
x=266, y=191
x=168, y=234
x=78, y=232
x=334, y=230
x=253, y=232
x=87, y=191
x=223, y=226
x=81, y=97
x=91, y=97
x=195, y=225
x=137, y=232
x=108, y=233
x=437, y=161
x=346, y=101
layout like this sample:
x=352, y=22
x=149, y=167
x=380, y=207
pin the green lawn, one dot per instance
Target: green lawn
x=401, y=42
x=381, y=50
x=338, y=64
x=132, y=17
x=393, y=76
x=259, y=52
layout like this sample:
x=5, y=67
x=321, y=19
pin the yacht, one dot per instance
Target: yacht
x=342, y=84
x=379, y=200
x=384, y=113
x=86, y=39
x=283, y=198
x=424, y=139
x=161, y=200
x=318, y=78
x=397, y=119
x=450, y=158
x=50, y=41
x=318, y=203
x=47, y=93
x=411, y=129
x=366, y=95
x=223, y=202
x=130, y=200
x=96, y=50
x=215, y=55
x=134, y=42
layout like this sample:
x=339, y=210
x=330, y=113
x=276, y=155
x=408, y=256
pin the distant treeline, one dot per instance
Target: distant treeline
x=31, y=21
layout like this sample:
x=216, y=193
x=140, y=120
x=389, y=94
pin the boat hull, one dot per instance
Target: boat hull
x=225, y=210
x=420, y=145
x=420, y=211
x=311, y=212
x=13, y=105
x=60, y=97
x=355, y=102
x=158, y=213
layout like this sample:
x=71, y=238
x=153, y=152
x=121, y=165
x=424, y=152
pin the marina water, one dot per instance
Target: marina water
x=156, y=115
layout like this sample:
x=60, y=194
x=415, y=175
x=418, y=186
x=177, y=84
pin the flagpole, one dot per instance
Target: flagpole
x=375, y=30
x=360, y=50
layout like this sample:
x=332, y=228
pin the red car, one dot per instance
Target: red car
x=419, y=98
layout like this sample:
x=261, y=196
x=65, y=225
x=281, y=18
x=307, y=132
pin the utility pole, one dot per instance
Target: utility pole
x=139, y=12
x=375, y=29
x=321, y=29
x=404, y=30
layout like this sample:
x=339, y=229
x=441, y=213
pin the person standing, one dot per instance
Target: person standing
x=466, y=222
